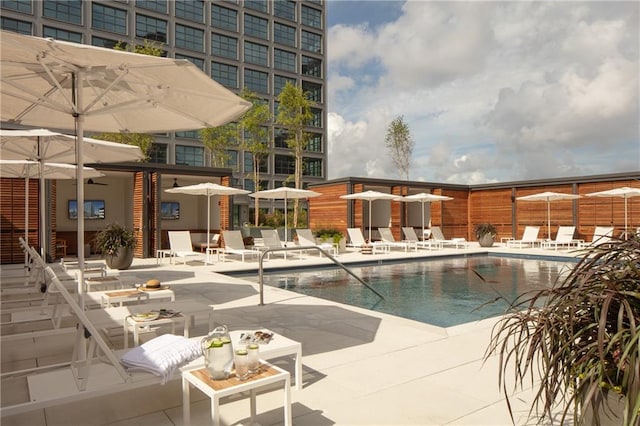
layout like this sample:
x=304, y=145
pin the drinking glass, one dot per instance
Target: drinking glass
x=242, y=364
x=254, y=357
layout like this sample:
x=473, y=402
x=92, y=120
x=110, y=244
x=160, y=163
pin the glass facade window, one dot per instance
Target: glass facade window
x=256, y=53
x=248, y=185
x=315, y=143
x=63, y=35
x=285, y=9
x=280, y=138
x=284, y=164
x=248, y=162
x=158, y=153
x=311, y=17
x=109, y=19
x=199, y=62
x=311, y=42
x=256, y=26
x=311, y=66
x=14, y=25
x=151, y=28
x=279, y=83
x=225, y=74
x=189, y=155
x=316, y=120
x=256, y=81
x=223, y=17
x=103, y=42
x=190, y=134
x=190, y=9
x=284, y=34
x=312, y=167
x=189, y=38
x=224, y=46
x=283, y=60
x=313, y=91
x=23, y=6
x=259, y=5
x=67, y=11
x=156, y=5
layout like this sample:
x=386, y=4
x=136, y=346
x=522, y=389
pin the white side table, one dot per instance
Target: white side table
x=216, y=389
x=138, y=327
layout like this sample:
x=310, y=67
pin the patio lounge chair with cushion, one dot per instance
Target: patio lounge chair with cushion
x=305, y=238
x=233, y=244
x=601, y=235
x=411, y=236
x=437, y=235
x=356, y=240
x=272, y=241
x=387, y=237
x=180, y=244
x=564, y=237
x=529, y=238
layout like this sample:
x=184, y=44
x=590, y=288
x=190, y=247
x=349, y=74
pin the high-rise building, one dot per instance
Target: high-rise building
x=255, y=44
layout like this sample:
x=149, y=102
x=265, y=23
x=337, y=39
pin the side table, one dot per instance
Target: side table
x=216, y=389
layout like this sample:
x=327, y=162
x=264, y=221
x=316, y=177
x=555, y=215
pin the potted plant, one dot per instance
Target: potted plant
x=332, y=236
x=485, y=233
x=578, y=342
x=116, y=243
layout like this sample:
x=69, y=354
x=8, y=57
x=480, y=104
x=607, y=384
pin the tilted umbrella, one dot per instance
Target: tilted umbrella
x=64, y=85
x=423, y=198
x=285, y=193
x=548, y=197
x=622, y=192
x=208, y=189
x=371, y=196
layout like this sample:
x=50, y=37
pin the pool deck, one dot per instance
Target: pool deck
x=360, y=367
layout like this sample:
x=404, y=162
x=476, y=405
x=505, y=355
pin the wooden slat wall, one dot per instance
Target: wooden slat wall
x=452, y=215
x=329, y=210
x=535, y=212
x=12, y=224
x=138, y=212
x=225, y=205
x=491, y=206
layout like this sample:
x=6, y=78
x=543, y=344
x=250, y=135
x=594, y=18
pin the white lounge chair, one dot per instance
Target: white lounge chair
x=437, y=235
x=411, y=236
x=306, y=238
x=387, y=237
x=564, y=237
x=271, y=240
x=356, y=240
x=601, y=235
x=529, y=238
x=180, y=244
x=233, y=244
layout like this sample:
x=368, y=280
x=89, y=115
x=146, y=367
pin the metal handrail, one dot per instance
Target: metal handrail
x=321, y=250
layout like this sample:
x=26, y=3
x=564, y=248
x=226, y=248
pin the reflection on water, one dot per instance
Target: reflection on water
x=440, y=292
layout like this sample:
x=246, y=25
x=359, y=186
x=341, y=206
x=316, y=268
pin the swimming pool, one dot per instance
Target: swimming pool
x=443, y=292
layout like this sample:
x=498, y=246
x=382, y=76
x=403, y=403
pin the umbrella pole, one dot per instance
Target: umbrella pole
x=549, y=220
x=80, y=183
x=286, y=213
x=626, y=235
x=208, y=225
x=422, y=204
x=43, y=219
x=26, y=217
x=369, y=224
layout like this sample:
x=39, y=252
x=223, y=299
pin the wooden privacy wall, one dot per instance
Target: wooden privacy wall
x=225, y=205
x=534, y=213
x=491, y=206
x=138, y=212
x=329, y=210
x=12, y=220
x=452, y=216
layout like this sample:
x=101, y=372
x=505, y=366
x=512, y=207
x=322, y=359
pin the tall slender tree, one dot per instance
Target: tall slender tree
x=218, y=140
x=400, y=145
x=294, y=114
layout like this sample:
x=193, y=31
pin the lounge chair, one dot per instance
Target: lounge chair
x=387, y=237
x=601, y=235
x=356, y=240
x=437, y=235
x=272, y=240
x=233, y=244
x=305, y=238
x=529, y=238
x=411, y=236
x=180, y=244
x=564, y=237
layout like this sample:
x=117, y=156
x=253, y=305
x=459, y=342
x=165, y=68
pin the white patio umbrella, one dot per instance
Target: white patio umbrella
x=285, y=193
x=548, y=197
x=64, y=85
x=28, y=169
x=622, y=192
x=424, y=197
x=371, y=196
x=208, y=189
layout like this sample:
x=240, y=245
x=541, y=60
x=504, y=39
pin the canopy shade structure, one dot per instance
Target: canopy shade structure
x=285, y=193
x=207, y=189
x=622, y=192
x=371, y=196
x=424, y=197
x=548, y=197
x=49, y=83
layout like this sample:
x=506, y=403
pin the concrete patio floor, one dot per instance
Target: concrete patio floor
x=360, y=367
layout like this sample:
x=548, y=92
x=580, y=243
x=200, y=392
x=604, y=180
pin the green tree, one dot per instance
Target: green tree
x=400, y=145
x=294, y=113
x=218, y=140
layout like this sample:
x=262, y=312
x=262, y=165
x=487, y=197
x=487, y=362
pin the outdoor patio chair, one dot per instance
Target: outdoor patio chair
x=272, y=241
x=180, y=244
x=601, y=235
x=529, y=238
x=306, y=238
x=387, y=237
x=437, y=235
x=357, y=240
x=411, y=236
x=564, y=238
x=233, y=244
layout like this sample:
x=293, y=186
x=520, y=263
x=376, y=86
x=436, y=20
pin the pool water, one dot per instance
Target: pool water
x=444, y=292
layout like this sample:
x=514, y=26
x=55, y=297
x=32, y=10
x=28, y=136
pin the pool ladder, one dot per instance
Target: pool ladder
x=299, y=248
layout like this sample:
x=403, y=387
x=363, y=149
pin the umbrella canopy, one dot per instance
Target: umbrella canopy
x=622, y=192
x=208, y=189
x=548, y=197
x=424, y=197
x=72, y=86
x=285, y=193
x=371, y=196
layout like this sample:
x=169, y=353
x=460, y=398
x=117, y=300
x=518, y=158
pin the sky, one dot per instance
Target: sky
x=491, y=91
